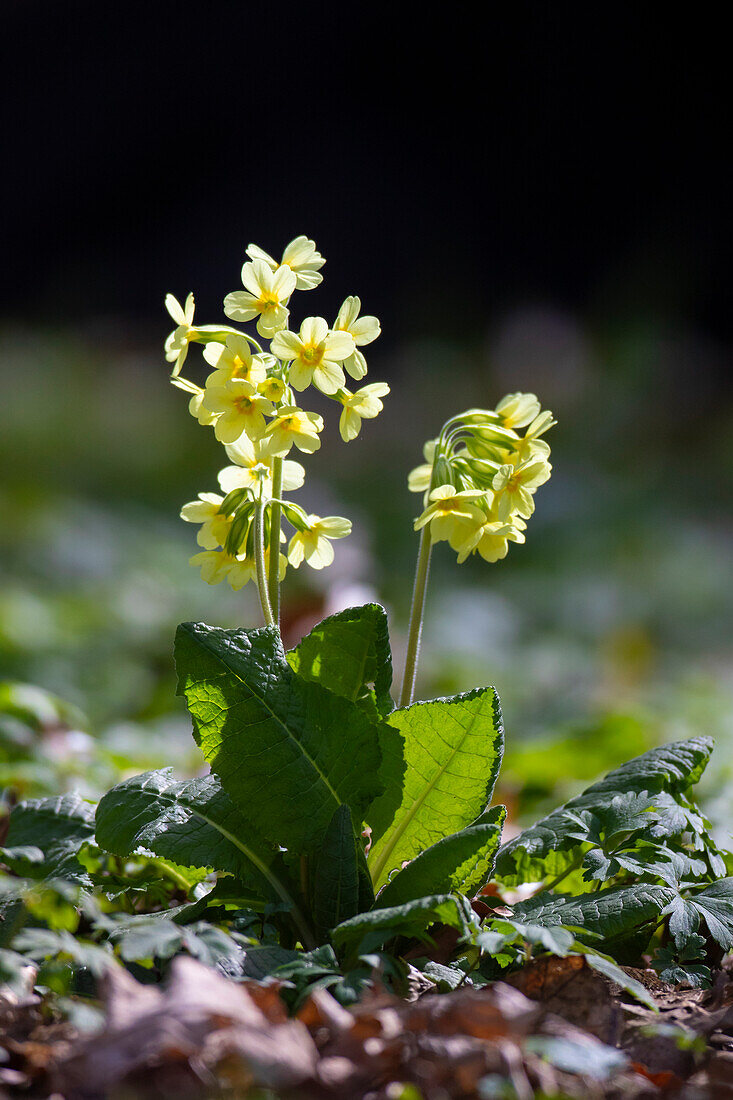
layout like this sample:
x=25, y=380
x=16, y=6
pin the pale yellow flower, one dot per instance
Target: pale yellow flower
x=234, y=359
x=293, y=426
x=315, y=355
x=450, y=513
x=515, y=485
x=265, y=297
x=530, y=445
x=313, y=544
x=195, y=407
x=418, y=480
x=301, y=256
x=273, y=388
x=518, y=409
x=239, y=408
x=176, y=344
x=491, y=540
x=214, y=525
x=362, y=405
x=217, y=565
x=253, y=468
x=364, y=331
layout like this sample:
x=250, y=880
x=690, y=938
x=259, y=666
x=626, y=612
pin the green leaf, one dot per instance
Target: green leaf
x=412, y=919
x=192, y=822
x=611, y=970
x=453, y=750
x=684, y=966
x=461, y=862
x=715, y=905
x=15, y=972
x=581, y=1054
x=288, y=752
x=43, y=943
x=613, y=914
x=550, y=847
x=336, y=888
x=347, y=653
x=59, y=827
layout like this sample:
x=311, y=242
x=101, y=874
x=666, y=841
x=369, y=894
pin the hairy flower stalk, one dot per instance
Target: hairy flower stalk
x=273, y=581
x=479, y=479
x=250, y=401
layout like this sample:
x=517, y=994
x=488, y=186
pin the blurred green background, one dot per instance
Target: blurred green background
x=562, y=228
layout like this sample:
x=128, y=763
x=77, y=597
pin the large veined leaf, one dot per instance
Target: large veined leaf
x=287, y=751
x=612, y=914
x=336, y=887
x=56, y=826
x=347, y=653
x=368, y=930
x=461, y=862
x=548, y=848
x=453, y=749
x=192, y=822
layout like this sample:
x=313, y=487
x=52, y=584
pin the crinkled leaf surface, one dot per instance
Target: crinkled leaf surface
x=548, y=848
x=411, y=919
x=58, y=827
x=192, y=822
x=611, y=914
x=288, y=751
x=453, y=749
x=348, y=653
x=461, y=862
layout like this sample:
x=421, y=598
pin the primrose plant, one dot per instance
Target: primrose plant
x=478, y=480
x=334, y=830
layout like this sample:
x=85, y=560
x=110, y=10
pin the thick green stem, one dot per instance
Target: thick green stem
x=260, y=563
x=275, y=513
x=416, y=616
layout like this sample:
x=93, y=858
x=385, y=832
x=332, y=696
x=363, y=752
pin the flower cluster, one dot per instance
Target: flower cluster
x=480, y=476
x=250, y=400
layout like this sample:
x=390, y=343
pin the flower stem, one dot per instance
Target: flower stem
x=275, y=513
x=260, y=563
x=416, y=616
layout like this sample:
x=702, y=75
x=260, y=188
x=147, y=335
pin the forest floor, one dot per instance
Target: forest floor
x=559, y=1029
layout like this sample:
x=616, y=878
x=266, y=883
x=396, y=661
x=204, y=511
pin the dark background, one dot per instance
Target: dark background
x=459, y=160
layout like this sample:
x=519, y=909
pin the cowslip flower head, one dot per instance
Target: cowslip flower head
x=313, y=543
x=315, y=355
x=253, y=468
x=265, y=297
x=293, y=427
x=234, y=359
x=450, y=512
x=214, y=525
x=301, y=256
x=362, y=405
x=240, y=409
x=364, y=330
x=515, y=486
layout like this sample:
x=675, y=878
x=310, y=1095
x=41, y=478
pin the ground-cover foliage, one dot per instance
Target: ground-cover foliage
x=340, y=841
